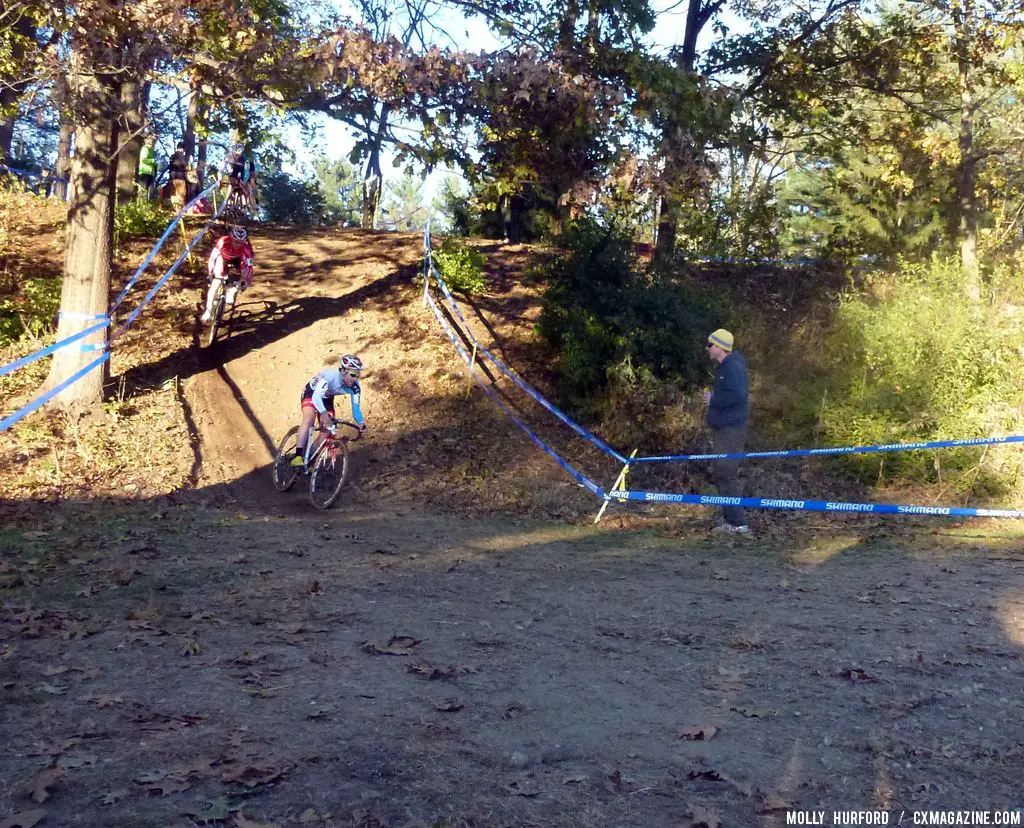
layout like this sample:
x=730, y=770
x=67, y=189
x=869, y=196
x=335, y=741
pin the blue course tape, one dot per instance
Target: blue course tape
x=970, y=441
x=584, y=481
x=582, y=432
x=81, y=317
x=160, y=243
x=813, y=505
x=10, y=420
x=49, y=349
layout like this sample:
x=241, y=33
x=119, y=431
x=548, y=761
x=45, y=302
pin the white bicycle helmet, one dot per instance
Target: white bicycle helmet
x=239, y=233
x=352, y=364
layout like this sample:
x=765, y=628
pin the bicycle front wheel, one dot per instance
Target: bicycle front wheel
x=215, y=318
x=329, y=474
x=284, y=472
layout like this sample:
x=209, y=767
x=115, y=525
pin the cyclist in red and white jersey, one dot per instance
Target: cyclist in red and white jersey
x=231, y=261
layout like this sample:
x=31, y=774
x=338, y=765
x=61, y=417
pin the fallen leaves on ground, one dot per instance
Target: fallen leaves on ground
x=213, y=810
x=152, y=720
x=449, y=705
x=105, y=700
x=771, y=803
x=38, y=787
x=26, y=819
x=242, y=821
x=252, y=774
x=856, y=674
x=711, y=775
x=432, y=672
x=699, y=817
x=698, y=734
x=756, y=712
x=396, y=645
x=524, y=787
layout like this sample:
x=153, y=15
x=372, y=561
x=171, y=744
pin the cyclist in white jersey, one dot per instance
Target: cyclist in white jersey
x=318, y=401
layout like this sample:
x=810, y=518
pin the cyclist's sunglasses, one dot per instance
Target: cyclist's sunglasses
x=353, y=373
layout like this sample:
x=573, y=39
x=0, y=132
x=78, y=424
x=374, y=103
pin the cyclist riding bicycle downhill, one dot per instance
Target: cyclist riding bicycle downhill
x=241, y=173
x=231, y=262
x=318, y=401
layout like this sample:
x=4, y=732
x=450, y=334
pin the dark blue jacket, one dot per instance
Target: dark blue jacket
x=729, y=404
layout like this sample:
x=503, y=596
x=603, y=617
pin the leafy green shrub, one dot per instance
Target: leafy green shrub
x=912, y=360
x=600, y=311
x=290, y=200
x=32, y=309
x=461, y=266
x=139, y=217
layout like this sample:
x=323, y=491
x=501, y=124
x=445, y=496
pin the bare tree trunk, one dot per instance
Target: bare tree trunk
x=191, y=117
x=668, y=229
x=89, y=236
x=133, y=110
x=62, y=167
x=965, y=186
x=698, y=13
x=372, y=182
x=202, y=145
x=8, y=99
x=62, y=170
x=371, y=191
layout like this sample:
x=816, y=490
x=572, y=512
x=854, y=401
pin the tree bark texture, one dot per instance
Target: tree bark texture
x=698, y=13
x=62, y=169
x=89, y=233
x=371, y=191
x=966, y=177
x=372, y=181
x=134, y=94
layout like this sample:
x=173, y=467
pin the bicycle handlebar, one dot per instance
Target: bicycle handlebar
x=353, y=426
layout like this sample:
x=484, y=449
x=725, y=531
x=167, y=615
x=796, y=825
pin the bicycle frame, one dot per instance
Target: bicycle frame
x=322, y=439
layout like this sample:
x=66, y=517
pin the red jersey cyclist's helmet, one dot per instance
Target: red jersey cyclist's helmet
x=238, y=233
x=351, y=364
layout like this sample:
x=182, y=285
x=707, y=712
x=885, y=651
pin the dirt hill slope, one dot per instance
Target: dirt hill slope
x=432, y=438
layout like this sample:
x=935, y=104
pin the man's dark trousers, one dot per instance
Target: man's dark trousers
x=726, y=473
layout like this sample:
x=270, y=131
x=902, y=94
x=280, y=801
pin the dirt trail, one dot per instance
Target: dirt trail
x=314, y=298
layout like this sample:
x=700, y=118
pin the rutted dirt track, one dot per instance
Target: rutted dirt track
x=167, y=662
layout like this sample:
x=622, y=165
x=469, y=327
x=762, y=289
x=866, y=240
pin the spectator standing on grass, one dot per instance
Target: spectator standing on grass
x=728, y=410
x=177, y=177
x=147, y=166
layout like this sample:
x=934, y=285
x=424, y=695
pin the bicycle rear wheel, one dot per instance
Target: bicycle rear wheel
x=329, y=474
x=284, y=472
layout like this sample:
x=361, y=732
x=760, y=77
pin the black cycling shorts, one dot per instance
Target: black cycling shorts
x=307, y=400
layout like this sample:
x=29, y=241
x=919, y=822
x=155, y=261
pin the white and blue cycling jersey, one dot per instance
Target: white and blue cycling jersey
x=325, y=386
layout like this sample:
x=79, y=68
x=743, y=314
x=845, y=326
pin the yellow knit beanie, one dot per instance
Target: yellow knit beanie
x=722, y=338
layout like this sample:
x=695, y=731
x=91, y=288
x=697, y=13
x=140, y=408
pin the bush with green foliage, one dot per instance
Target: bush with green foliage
x=600, y=310
x=910, y=359
x=31, y=310
x=461, y=266
x=289, y=200
x=140, y=217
